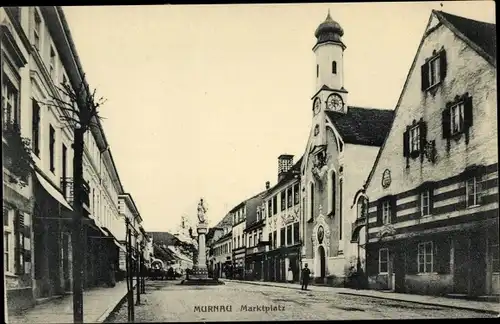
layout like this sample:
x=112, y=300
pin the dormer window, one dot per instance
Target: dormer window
x=434, y=70
x=334, y=67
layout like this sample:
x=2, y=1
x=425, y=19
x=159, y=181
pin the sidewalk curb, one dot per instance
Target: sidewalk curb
x=487, y=311
x=107, y=314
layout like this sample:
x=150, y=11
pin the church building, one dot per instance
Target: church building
x=343, y=143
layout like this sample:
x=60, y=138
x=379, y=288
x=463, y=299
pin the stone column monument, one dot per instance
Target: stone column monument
x=200, y=267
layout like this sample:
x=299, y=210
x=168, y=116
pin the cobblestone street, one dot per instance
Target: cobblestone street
x=166, y=301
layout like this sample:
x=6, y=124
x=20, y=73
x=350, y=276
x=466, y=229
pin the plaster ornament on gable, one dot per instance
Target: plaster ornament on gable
x=386, y=230
x=296, y=215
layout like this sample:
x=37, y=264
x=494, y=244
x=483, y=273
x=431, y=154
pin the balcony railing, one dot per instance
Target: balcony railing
x=67, y=189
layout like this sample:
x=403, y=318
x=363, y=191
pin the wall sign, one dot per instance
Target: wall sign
x=386, y=178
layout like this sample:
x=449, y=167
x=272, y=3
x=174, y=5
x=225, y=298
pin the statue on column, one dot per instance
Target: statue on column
x=201, y=212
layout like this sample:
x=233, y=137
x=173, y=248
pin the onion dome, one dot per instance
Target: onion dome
x=329, y=30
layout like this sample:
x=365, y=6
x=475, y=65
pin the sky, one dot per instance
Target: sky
x=202, y=99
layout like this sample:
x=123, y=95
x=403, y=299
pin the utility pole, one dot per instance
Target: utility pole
x=130, y=278
x=137, y=270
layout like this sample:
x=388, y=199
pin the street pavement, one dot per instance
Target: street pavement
x=167, y=301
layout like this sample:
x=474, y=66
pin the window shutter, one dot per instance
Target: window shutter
x=379, y=213
x=468, y=112
x=442, y=257
x=419, y=203
x=425, y=76
x=17, y=246
x=479, y=188
x=442, y=64
x=446, y=122
x=412, y=257
x=423, y=137
x=393, y=210
x=406, y=143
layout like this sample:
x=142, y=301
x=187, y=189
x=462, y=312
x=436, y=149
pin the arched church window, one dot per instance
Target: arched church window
x=334, y=67
x=312, y=200
x=333, y=192
x=317, y=70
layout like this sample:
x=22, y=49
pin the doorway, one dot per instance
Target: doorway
x=322, y=261
x=399, y=271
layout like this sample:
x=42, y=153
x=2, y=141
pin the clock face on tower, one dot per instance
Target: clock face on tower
x=335, y=102
x=317, y=106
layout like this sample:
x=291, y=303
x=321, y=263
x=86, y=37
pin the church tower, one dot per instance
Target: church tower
x=330, y=93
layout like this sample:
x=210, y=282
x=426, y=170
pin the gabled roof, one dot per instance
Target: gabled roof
x=362, y=126
x=477, y=34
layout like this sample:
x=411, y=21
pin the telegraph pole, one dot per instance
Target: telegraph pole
x=137, y=270
x=130, y=278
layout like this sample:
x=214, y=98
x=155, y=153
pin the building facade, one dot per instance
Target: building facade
x=432, y=194
x=256, y=245
x=342, y=146
x=238, y=215
x=222, y=255
x=281, y=211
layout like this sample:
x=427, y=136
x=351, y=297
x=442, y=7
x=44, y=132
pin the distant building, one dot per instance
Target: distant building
x=281, y=216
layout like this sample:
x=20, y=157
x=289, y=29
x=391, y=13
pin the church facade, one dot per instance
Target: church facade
x=343, y=143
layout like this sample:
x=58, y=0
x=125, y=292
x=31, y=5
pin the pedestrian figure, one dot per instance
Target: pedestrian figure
x=305, y=277
x=289, y=276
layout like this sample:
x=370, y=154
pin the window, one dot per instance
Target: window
x=333, y=192
x=296, y=193
x=383, y=260
x=7, y=240
x=434, y=70
x=275, y=244
x=282, y=236
x=10, y=100
x=36, y=127
x=52, y=63
x=334, y=67
x=316, y=130
x=258, y=213
x=64, y=158
x=425, y=257
x=386, y=212
x=415, y=139
x=341, y=197
x=37, y=29
x=254, y=238
x=472, y=192
x=275, y=204
x=260, y=236
x=271, y=240
x=269, y=208
x=434, y=75
x=283, y=200
x=238, y=242
x=289, y=197
x=234, y=243
x=289, y=233
x=311, y=193
x=457, y=118
x=317, y=70
x=425, y=206
x=493, y=252
x=250, y=241
x=296, y=233
x=52, y=141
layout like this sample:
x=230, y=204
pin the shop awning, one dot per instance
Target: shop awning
x=52, y=191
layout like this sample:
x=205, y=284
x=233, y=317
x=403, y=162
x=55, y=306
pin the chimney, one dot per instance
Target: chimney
x=268, y=185
x=285, y=162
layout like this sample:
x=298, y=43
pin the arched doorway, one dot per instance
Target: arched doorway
x=322, y=261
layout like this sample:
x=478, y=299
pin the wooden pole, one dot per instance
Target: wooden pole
x=137, y=271
x=130, y=278
x=77, y=230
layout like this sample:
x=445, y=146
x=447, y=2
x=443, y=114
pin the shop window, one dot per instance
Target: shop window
x=289, y=238
x=282, y=237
